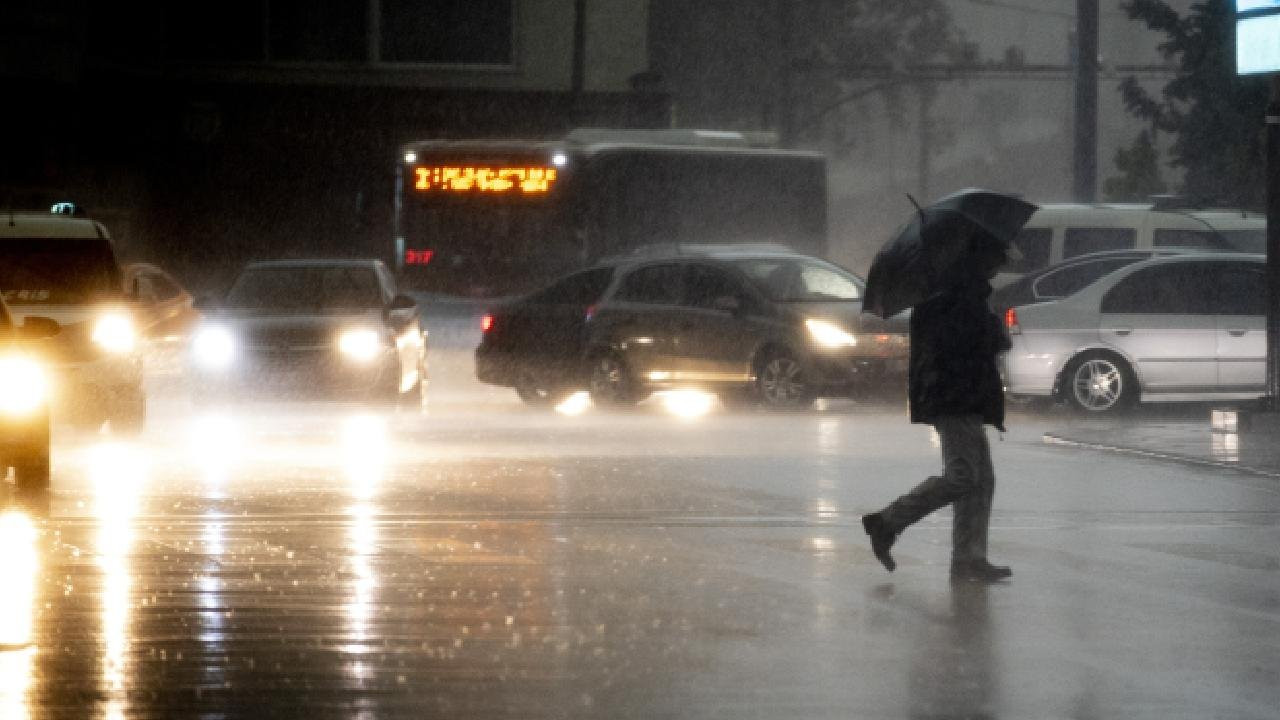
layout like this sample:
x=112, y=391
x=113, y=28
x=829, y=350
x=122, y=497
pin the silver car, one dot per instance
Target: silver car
x=311, y=328
x=1186, y=327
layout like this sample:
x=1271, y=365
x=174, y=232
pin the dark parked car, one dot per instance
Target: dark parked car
x=327, y=328
x=756, y=325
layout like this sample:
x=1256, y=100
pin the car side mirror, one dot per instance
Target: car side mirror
x=727, y=303
x=402, y=302
x=398, y=310
x=39, y=328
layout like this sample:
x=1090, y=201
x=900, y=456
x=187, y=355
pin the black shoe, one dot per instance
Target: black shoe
x=881, y=539
x=979, y=571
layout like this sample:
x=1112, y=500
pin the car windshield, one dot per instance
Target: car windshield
x=58, y=271
x=800, y=280
x=306, y=289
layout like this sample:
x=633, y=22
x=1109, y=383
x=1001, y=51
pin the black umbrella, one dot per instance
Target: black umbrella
x=924, y=256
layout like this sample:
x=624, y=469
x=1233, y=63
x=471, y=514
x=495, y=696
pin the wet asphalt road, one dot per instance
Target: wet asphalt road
x=483, y=560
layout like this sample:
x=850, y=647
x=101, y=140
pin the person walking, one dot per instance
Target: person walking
x=953, y=384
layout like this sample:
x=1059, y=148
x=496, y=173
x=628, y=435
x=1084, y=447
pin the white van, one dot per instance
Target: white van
x=1063, y=231
x=62, y=265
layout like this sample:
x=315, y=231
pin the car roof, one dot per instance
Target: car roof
x=664, y=252
x=33, y=224
x=1140, y=253
x=1218, y=218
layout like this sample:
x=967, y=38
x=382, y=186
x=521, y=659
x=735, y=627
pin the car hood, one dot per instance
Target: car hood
x=293, y=329
x=850, y=316
x=66, y=314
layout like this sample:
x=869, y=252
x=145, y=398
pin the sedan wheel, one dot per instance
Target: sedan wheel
x=782, y=385
x=1100, y=383
x=535, y=395
x=611, y=383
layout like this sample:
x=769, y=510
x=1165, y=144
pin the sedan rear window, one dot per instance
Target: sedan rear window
x=1070, y=279
x=584, y=288
x=792, y=280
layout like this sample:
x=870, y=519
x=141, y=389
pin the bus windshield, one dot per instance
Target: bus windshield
x=482, y=249
x=486, y=220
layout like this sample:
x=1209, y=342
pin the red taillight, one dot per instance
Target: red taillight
x=1011, y=321
x=591, y=311
x=486, y=323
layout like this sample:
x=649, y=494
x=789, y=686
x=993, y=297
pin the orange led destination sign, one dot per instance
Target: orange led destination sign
x=501, y=180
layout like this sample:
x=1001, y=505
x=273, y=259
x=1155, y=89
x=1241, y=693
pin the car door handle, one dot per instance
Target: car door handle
x=1237, y=332
x=1122, y=330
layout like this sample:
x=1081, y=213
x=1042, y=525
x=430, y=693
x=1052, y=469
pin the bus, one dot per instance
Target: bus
x=487, y=218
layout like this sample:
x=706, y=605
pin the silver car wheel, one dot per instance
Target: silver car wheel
x=1098, y=384
x=782, y=382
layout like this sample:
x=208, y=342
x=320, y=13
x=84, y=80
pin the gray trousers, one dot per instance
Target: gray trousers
x=967, y=483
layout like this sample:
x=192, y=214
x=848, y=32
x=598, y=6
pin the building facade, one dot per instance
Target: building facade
x=209, y=133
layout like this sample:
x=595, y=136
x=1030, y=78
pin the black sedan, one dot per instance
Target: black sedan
x=311, y=328
x=756, y=326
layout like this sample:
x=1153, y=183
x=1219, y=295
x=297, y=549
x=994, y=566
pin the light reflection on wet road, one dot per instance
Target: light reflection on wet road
x=322, y=561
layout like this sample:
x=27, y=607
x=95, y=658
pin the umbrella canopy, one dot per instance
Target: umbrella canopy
x=924, y=257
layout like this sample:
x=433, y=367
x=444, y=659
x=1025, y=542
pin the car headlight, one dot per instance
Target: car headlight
x=115, y=333
x=24, y=388
x=213, y=348
x=828, y=334
x=360, y=345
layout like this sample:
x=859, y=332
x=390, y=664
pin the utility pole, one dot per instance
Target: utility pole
x=784, y=114
x=1085, y=160
x=1273, y=245
x=579, y=47
x=924, y=166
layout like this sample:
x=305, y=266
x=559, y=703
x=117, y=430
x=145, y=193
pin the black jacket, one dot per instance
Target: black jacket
x=955, y=339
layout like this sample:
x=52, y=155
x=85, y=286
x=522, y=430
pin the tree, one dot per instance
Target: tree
x=1140, y=168
x=1214, y=115
x=856, y=49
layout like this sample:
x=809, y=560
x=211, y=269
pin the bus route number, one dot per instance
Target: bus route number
x=528, y=180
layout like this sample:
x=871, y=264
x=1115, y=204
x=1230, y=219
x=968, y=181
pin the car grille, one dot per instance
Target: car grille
x=271, y=340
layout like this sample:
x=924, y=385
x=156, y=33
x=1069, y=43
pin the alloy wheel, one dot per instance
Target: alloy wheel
x=782, y=382
x=1098, y=385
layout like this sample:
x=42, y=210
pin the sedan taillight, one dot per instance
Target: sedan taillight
x=486, y=323
x=1011, y=321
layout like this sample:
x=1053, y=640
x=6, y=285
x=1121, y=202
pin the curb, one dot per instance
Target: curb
x=1052, y=439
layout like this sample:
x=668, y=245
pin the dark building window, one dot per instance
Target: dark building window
x=453, y=32
x=215, y=31
x=318, y=30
